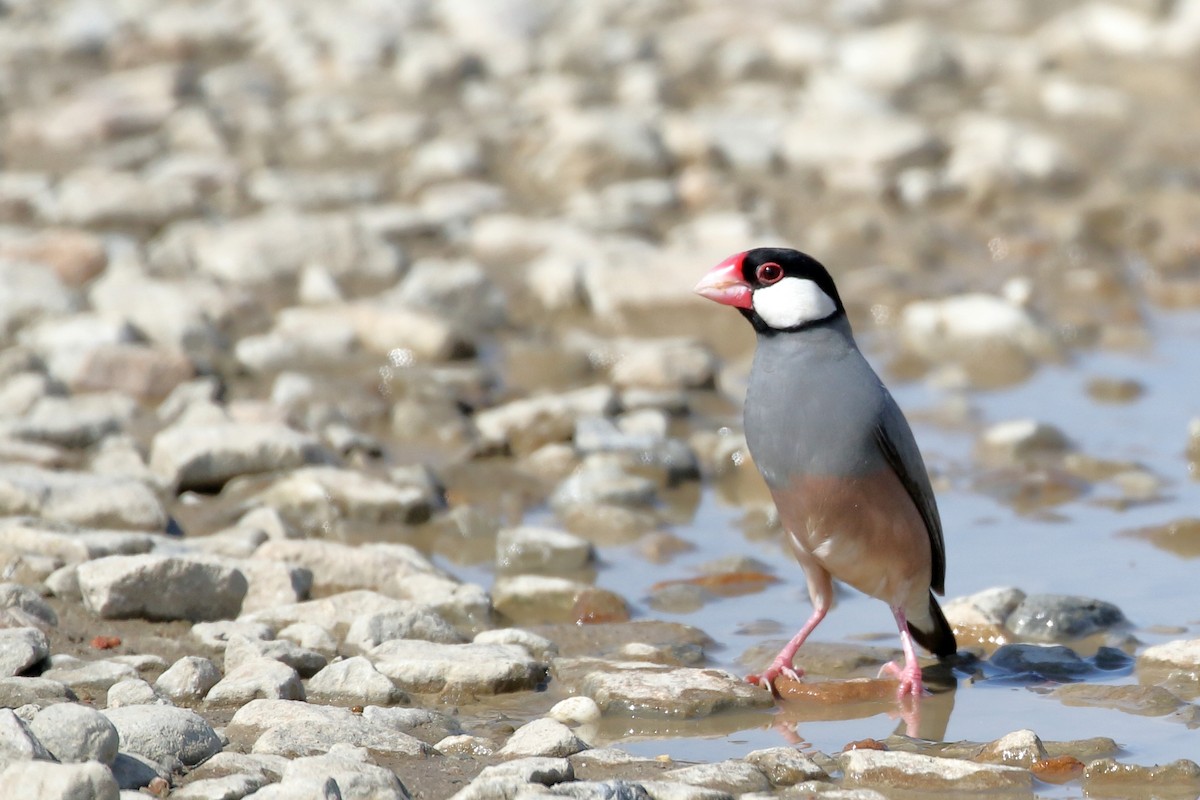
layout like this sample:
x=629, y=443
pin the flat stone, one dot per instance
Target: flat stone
x=538, y=646
x=165, y=734
x=1109, y=778
x=311, y=637
x=650, y=690
x=70, y=543
x=1054, y=618
x=74, y=733
x=524, y=425
x=352, y=682
x=205, y=457
x=735, y=777
x=914, y=772
x=217, y=634
x=44, y=779
x=541, y=599
x=80, y=498
x=541, y=550
x=786, y=766
x=253, y=679
x=75, y=422
x=241, y=649
x=476, y=669
x=348, y=494
x=354, y=772
x=271, y=584
x=300, y=740
x=430, y=727
x=189, y=679
x=20, y=649
x=542, y=737
x=227, y=786
x=404, y=620
x=1044, y=662
x=161, y=588
x=1145, y=701
x=92, y=678
x=133, y=692
x=20, y=691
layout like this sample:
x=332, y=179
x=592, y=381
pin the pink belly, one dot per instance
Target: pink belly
x=865, y=531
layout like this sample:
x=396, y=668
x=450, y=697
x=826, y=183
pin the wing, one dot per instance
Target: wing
x=895, y=441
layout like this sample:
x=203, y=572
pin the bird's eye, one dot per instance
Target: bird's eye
x=768, y=273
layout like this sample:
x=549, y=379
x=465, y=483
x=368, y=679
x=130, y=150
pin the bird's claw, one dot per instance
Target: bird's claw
x=909, y=677
x=767, y=679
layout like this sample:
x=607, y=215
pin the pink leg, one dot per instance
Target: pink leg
x=782, y=665
x=910, y=675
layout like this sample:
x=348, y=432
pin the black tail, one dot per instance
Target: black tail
x=940, y=640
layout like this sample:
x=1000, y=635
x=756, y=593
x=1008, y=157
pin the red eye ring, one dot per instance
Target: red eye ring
x=768, y=273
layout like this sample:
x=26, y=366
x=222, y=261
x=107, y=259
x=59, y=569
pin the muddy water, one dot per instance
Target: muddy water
x=1075, y=547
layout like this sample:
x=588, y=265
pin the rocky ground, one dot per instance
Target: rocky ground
x=300, y=301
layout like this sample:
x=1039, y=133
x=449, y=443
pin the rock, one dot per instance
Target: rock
x=165, y=734
x=430, y=727
x=1041, y=662
x=915, y=52
x=241, y=649
x=67, y=781
x=914, y=772
x=474, y=669
x=1020, y=748
x=575, y=711
x=662, y=364
x=522, y=426
x=541, y=550
x=1054, y=618
x=1021, y=439
x=542, y=737
x=226, y=786
x=311, y=637
x=352, y=682
x=135, y=692
x=965, y=326
x=1146, y=701
x=205, y=457
x=297, y=740
x=256, y=678
x=534, y=769
x=140, y=371
x=785, y=766
x=188, y=680
x=989, y=153
x=160, y=588
x=602, y=480
x=324, y=492
x=352, y=769
x=641, y=689
x=20, y=649
x=75, y=422
x=1176, y=664
x=538, y=599
x=272, y=584
x=73, y=733
x=80, y=498
x=17, y=740
x=538, y=646
x=980, y=618
x=405, y=620
x=277, y=244
x=459, y=291
x=90, y=679
x=31, y=291
x=19, y=691
x=735, y=777
x=217, y=634
x=1106, y=777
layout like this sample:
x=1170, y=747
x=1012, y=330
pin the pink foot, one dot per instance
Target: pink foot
x=909, y=676
x=778, y=667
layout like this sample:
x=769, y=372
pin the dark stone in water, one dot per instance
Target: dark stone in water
x=1057, y=617
x=1110, y=659
x=1040, y=662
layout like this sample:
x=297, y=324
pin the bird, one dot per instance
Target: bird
x=838, y=456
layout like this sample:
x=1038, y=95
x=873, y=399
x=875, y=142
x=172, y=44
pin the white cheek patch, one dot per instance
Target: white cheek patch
x=792, y=302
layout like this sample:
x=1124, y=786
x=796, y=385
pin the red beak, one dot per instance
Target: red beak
x=724, y=283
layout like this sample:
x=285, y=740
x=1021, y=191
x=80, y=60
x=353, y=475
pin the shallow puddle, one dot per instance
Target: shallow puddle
x=1074, y=547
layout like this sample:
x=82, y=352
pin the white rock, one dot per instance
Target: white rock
x=165, y=734
x=546, y=550
x=73, y=732
x=67, y=781
x=915, y=772
x=988, y=152
x=17, y=741
x=542, y=737
x=80, y=498
x=160, y=588
x=937, y=329
x=189, y=679
x=473, y=668
x=406, y=620
x=354, y=772
x=20, y=649
x=352, y=682
x=132, y=692
x=428, y=726
x=575, y=711
x=259, y=678
x=914, y=51
x=204, y=457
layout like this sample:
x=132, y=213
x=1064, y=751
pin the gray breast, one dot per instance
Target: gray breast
x=812, y=405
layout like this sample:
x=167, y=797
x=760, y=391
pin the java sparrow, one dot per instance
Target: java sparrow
x=837, y=455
